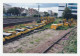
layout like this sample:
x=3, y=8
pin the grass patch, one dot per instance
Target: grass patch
x=72, y=26
x=62, y=28
x=37, y=40
x=19, y=50
x=47, y=26
x=31, y=42
x=72, y=44
x=57, y=20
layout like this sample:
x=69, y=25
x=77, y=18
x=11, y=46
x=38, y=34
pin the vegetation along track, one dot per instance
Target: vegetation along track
x=51, y=46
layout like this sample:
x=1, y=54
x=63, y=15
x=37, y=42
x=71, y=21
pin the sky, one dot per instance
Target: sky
x=43, y=6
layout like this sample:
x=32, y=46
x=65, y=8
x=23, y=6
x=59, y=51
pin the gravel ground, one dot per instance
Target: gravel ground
x=59, y=47
x=29, y=42
x=32, y=42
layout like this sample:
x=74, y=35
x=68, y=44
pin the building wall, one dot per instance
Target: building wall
x=41, y=13
x=51, y=13
x=71, y=6
x=32, y=11
x=6, y=6
x=61, y=8
x=24, y=11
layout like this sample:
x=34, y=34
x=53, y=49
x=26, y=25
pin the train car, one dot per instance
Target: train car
x=7, y=35
x=54, y=26
x=30, y=28
x=60, y=23
x=36, y=26
x=11, y=31
x=43, y=20
x=20, y=31
x=41, y=25
x=26, y=30
x=4, y=40
x=14, y=34
x=47, y=20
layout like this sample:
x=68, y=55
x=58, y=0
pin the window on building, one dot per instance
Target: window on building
x=72, y=3
x=72, y=7
x=74, y=11
x=61, y=10
x=61, y=6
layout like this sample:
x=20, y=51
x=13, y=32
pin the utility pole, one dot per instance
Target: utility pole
x=38, y=11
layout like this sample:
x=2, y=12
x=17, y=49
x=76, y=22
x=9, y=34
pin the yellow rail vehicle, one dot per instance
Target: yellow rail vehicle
x=12, y=34
x=21, y=31
x=54, y=26
x=60, y=23
x=18, y=34
x=41, y=25
x=42, y=19
x=36, y=26
x=52, y=19
x=47, y=20
x=30, y=28
x=11, y=31
x=3, y=39
x=7, y=35
x=66, y=24
x=26, y=30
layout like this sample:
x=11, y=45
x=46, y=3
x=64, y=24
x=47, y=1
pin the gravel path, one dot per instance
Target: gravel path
x=30, y=43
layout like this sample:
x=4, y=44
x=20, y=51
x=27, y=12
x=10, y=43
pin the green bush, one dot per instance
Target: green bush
x=36, y=15
x=55, y=22
x=47, y=26
x=72, y=26
x=62, y=28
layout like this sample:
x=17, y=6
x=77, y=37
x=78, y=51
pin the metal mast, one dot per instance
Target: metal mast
x=38, y=11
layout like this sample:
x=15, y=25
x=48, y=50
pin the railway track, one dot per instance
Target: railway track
x=16, y=21
x=51, y=46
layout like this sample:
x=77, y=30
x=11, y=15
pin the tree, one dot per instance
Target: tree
x=67, y=13
x=55, y=14
x=10, y=11
x=13, y=11
x=36, y=15
x=24, y=14
x=46, y=14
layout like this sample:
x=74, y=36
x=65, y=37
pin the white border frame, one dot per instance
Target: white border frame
x=38, y=1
